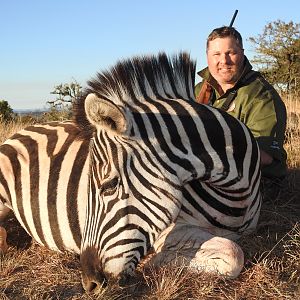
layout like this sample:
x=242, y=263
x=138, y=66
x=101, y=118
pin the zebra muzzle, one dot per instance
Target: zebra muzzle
x=94, y=284
x=93, y=277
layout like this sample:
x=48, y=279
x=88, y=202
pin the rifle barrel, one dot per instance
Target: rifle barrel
x=233, y=18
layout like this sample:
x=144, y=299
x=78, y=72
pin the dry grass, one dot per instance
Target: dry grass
x=272, y=255
x=8, y=129
x=292, y=144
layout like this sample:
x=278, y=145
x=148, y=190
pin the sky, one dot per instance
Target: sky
x=44, y=43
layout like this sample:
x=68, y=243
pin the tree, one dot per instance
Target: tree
x=278, y=58
x=6, y=112
x=60, y=108
x=66, y=94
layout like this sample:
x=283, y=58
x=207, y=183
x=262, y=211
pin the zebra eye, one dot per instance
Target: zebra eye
x=109, y=186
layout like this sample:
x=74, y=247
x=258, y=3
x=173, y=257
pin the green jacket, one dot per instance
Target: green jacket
x=257, y=104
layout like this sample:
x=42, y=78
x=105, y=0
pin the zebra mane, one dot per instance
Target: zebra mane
x=140, y=79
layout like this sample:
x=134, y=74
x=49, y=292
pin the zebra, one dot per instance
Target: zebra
x=141, y=164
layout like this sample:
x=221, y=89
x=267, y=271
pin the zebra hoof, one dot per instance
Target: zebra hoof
x=3, y=244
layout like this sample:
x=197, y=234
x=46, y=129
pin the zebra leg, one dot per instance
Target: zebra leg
x=4, y=210
x=3, y=244
x=198, y=249
x=3, y=213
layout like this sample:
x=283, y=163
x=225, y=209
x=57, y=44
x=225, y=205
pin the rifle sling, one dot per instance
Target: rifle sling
x=229, y=100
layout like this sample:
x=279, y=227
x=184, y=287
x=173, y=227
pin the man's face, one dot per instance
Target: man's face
x=225, y=60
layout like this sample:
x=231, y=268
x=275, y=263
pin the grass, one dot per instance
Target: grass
x=272, y=255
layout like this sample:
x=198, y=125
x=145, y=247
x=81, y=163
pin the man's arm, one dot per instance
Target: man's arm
x=267, y=123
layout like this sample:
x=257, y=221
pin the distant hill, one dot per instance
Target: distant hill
x=32, y=112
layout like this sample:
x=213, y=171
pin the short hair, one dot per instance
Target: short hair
x=223, y=32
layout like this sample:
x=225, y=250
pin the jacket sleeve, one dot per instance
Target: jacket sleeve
x=267, y=123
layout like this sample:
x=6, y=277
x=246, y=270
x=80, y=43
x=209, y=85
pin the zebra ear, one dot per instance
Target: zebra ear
x=103, y=113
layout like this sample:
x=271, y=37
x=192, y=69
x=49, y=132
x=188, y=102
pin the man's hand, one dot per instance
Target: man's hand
x=265, y=158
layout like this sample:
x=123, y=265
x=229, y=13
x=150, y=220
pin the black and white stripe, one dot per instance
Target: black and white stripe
x=43, y=178
x=145, y=156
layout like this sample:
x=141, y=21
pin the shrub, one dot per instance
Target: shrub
x=6, y=112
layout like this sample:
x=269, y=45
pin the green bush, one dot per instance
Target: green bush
x=6, y=112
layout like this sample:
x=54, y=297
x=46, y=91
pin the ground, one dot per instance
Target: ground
x=271, y=271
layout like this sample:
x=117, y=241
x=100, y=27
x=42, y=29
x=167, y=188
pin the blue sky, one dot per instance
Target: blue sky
x=45, y=43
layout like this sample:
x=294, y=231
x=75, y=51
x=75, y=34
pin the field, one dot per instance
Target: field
x=272, y=254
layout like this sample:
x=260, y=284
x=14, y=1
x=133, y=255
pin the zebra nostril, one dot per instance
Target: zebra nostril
x=90, y=286
x=94, y=285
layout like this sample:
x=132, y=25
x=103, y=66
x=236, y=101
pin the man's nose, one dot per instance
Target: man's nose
x=224, y=58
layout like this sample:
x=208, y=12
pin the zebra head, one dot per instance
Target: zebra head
x=145, y=145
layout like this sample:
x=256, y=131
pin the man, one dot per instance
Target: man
x=229, y=83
